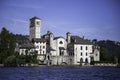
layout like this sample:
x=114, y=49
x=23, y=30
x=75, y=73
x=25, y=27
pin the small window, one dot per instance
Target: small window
x=86, y=48
x=38, y=23
x=81, y=48
x=43, y=52
x=72, y=54
x=22, y=51
x=86, y=54
x=81, y=53
x=37, y=46
x=96, y=54
x=61, y=42
x=43, y=47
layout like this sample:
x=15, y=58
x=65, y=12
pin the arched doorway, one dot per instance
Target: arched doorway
x=86, y=61
x=71, y=61
x=92, y=60
x=81, y=61
x=48, y=57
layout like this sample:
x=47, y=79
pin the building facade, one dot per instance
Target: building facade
x=52, y=50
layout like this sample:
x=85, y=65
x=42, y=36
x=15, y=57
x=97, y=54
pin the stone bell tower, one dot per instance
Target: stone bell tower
x=35, y=28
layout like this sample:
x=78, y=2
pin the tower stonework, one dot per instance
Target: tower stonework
x=35, y=28
x=68, y=36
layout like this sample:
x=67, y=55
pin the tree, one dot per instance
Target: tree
x=104, y=56
x=20, y=59
x=7, y=44
x=4, y=44
x=34, y=57
x=10, y=61
x=12, y=44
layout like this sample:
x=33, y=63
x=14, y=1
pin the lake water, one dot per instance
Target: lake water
x=59, y=73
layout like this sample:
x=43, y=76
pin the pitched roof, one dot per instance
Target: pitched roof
x=79, y=40
x=61, y=48
x=38, y=40
x=27, y=46
x=35, y=18
x=58, y=37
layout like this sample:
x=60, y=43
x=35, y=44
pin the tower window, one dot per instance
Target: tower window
x=38, y=23
x=86, y=53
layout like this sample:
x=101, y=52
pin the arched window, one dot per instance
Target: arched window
x=81, y=60
x=48, y=57
x=86, y=61
x=60, y=42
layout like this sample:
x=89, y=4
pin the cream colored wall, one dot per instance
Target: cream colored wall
x=77, y=53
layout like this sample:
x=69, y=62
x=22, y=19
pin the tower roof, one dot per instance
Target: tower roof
x=35, y=18
x=68, y=33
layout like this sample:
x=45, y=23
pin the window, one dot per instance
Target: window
x=86, y=48
x=37, y=46
x=86, y=54
x=81, y=53
x=37, y=22
x=86, y=61
x=81, y=48
x=43, y=52
x=22, y=51
x=61, y=52
x=81, y=60
x=43, y=46
x=73, y=54
x=96, y=54
x=60, y=42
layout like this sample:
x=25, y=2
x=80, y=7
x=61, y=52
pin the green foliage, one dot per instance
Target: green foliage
x=10, y=61
x=20, y=60
x=21, y=38
x=8, y=56
x=109, y=50
x=7, y=44
x=31, y=57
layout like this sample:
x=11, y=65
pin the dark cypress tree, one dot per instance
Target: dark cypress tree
x=7, y=44
x=4, y=44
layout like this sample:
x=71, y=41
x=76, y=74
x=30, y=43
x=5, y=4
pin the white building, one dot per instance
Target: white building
x=73, y=50
x=58, y=45
x=40, y=47
x=81, y=51
x=26, y=47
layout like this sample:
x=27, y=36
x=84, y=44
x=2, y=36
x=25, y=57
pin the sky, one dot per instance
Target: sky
x=93, y=19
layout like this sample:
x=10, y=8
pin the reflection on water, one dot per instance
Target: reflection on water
x=59, y=73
